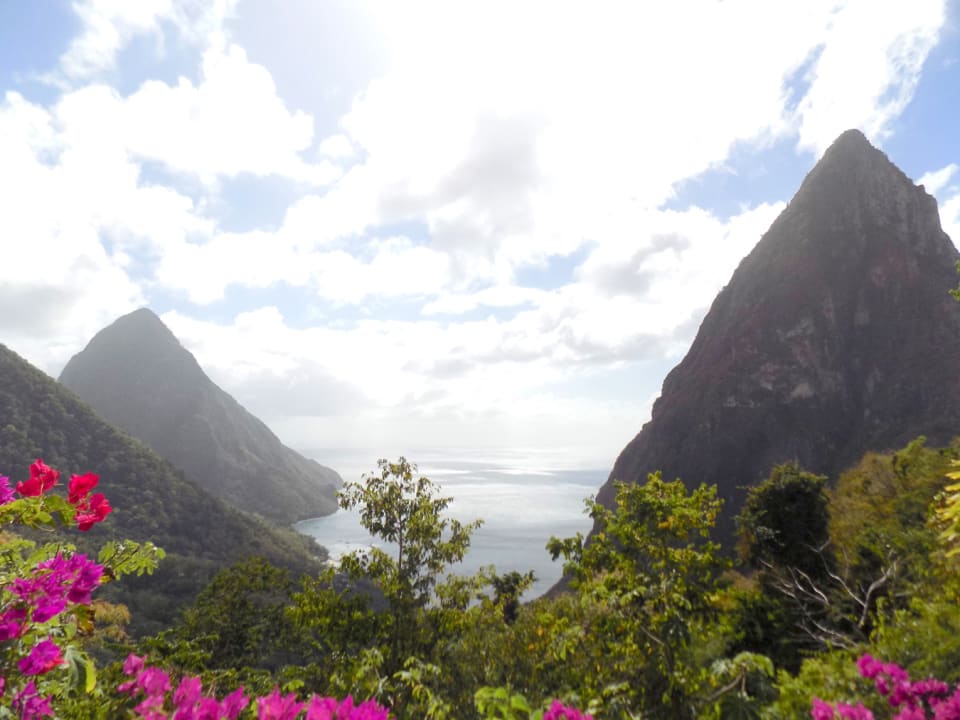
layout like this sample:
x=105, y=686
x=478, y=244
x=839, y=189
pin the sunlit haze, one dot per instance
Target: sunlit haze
x=435, y=224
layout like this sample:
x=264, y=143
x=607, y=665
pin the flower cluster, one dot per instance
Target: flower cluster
x=920, y=700
x=45, y=592
x=29, y=705
x=42, y=478
x=91, y=509
x=88, y=509
x=187, y=702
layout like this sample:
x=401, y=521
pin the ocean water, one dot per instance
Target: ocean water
x=523, y=498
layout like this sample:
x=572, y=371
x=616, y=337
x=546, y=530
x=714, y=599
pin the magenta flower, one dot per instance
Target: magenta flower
x=132, y=665
x=29, y=705
x=232, y=705
x=278, y=707
x=6, y=492
x=43, y=657
x=327, y=708
x=559, y=711
x=11, y=623
x=42, y=478
x=154, y=682
x=188, y=692
x=80, y=487
x=322, y=708
x=89, y=513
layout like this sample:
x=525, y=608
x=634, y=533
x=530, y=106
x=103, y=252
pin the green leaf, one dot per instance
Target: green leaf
x=81, y=669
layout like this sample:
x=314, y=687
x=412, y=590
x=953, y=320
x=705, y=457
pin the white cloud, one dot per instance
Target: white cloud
x=58, y=282
x=950, y=217
x=386, y=390
x=496, y=296
x=337, y=146
x=230, y=123
x=107, y=26
x=940, y=183
x=868, y=68
x=508, y=158
x=514, y=156
x=936, y=180
x=259, y=259
x=508, y=367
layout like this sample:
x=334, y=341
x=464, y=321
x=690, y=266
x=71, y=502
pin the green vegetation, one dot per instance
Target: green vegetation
x=153, y=501
x=655, y=624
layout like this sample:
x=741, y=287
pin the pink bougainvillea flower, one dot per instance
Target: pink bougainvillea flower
x=80, y=486
x=48, y=607
x=6, y=492
x=42, y=478
x=11, y=623
x=278, y=707
x=29, y=705
x=92, y=512
x=559, y=711
x=188, y=691
x=233, y=704
x=43, y=657
x=86, y=576
x=132, y=665
x=154, y=681
x=322, y=708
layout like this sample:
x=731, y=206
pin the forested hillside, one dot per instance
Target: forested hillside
x=152, y=500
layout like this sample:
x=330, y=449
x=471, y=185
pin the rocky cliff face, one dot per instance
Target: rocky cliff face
x=137, y=375
x=836, y=335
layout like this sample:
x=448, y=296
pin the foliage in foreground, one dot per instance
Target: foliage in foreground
x=656, y=625
x=48, y=614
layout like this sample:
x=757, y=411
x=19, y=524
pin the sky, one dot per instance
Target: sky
x=393, y=226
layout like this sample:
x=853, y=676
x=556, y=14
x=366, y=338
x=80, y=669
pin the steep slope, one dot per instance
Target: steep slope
x=152, y=500
x=836, y=335
x=136, y=374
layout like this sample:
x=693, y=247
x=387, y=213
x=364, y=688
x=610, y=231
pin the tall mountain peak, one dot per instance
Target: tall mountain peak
x=138, y=376
x=836, y=335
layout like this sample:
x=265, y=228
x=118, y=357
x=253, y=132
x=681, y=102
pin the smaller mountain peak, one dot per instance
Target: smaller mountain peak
x=143, y=312
x=141, y=315
x=141, y=322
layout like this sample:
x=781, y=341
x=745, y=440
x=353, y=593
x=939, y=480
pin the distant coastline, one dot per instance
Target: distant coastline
x=522, y=497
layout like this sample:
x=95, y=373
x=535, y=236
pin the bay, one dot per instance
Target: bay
x=523, y=497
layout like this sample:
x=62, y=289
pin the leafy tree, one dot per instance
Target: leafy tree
x=651, y=564
x=402, y=509
x=785, y=522
x=880, y=510
x=508, y=588
x=784, y=536
x=239, y=619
